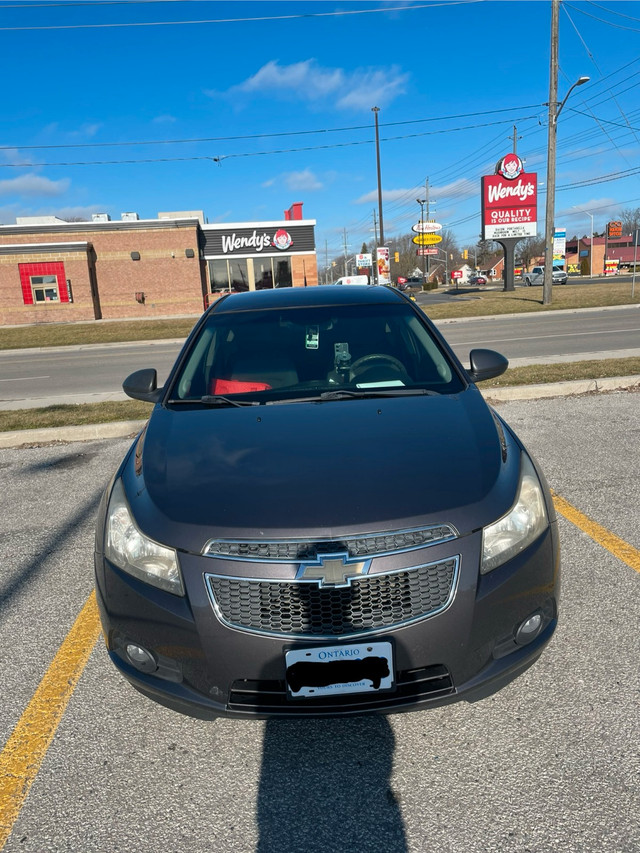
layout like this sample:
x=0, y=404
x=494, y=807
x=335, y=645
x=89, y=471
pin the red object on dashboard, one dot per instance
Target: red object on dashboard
x=236, y=386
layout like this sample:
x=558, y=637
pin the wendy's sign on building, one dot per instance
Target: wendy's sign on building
x=509, y=201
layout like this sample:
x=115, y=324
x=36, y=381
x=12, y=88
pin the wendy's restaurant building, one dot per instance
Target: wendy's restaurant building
x=55, y=271
x=259, y=255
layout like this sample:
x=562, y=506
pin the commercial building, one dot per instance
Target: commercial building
x=54, y=271
x=585, y=255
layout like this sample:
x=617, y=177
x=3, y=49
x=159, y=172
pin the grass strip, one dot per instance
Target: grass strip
x=76, y=414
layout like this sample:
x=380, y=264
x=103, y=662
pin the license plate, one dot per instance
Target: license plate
x=333, y=670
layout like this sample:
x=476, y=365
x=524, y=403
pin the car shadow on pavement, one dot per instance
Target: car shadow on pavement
x=325, y=787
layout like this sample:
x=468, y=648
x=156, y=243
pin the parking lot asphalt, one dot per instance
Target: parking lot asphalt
x=548, y=765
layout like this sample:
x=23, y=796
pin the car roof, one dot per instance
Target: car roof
x=300, y=297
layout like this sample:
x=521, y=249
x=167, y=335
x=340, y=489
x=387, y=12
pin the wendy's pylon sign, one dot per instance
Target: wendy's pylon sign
x=509, y=201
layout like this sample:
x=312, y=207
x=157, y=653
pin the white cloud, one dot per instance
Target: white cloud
x=462, y=188
x=367, y=88
x=10, y=212
x=387, y=195
x=308, y=81
x=34, y=185
x=304, y=180
x=13, y=156
x=164, y=119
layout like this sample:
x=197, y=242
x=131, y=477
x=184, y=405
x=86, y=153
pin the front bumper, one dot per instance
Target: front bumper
x=207, y=669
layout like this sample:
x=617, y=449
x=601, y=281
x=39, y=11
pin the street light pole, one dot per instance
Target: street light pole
x=375, y=111
x=590, y=246
x=554, y=111
x=422, y=202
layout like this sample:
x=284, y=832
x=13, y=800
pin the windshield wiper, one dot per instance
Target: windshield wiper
x=348, y=393
x=356, y=394
x=216, y=400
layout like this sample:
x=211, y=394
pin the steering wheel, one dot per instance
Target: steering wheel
x=375, y=357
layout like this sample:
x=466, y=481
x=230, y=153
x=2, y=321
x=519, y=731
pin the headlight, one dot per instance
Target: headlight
x=524, y=522
x=135, y=553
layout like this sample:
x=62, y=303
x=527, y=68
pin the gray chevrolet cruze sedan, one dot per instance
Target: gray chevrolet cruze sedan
x=322, y=516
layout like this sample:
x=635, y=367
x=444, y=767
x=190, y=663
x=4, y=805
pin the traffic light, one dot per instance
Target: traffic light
x=396, y=257
x=465, y=254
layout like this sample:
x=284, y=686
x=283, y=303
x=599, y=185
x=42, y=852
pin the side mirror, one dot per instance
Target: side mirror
x=143, y=385
x=486, y=364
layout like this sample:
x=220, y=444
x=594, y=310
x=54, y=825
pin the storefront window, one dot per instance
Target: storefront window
x=283, y=271
x=263, y=273
x=219, y=274
x=239, y=274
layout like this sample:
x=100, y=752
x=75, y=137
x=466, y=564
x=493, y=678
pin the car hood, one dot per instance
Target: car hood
x=321, y=468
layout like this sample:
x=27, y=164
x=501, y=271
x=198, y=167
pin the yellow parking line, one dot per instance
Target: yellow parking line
x=24, y=752
x=27, y=746
x=618, y=547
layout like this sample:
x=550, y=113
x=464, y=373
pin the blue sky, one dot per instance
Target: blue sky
x=241, y=118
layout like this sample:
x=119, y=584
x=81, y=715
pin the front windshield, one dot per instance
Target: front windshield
x=302, y=352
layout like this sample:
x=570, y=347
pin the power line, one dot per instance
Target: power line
x=266, y=135
x=219, y=159
x=602, y=20
x=258, y=19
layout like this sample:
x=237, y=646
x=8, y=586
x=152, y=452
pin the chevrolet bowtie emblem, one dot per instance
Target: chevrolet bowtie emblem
x=332, y=570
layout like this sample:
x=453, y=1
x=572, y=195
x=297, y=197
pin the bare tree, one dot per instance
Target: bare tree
x=630, y=218
x=530, y=248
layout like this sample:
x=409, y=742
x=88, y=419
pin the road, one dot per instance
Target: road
x=549, y=765
x=75, y=374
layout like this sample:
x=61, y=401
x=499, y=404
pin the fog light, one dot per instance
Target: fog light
x=141, y=658
x=529, y=629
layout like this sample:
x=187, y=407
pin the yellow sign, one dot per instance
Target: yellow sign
x=427, y=239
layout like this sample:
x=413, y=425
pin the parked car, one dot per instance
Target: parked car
x=268, y=547
x=353, y=279
x=412, y=284
x=478, y=279
x=536, y=277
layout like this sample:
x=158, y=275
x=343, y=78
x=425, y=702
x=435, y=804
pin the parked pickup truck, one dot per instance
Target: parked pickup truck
x=536, y=276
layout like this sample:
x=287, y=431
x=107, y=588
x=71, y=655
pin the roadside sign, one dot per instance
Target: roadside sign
x=363, y=260
x=426, y=227
x=456, y=273
x=427, y=239
x=427, y=251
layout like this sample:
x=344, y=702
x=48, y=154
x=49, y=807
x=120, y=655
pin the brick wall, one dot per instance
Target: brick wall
x=304, y=266
x=75, y=268
x=171, y=282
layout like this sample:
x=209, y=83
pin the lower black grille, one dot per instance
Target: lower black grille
x=412, y=686
x=303, y=609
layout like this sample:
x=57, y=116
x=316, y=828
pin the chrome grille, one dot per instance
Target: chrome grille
x=292, y=550
x=304, y=609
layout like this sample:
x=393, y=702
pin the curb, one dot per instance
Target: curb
x=122, y=429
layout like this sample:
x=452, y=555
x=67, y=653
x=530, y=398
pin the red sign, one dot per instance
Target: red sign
x=509, y=206
x=456, y=273
x=427, y=250
x=401, y=280
x=614, y=229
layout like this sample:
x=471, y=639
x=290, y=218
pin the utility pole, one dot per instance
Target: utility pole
x=374, y=253
x=515, y=139
x=555, y=109
x=426, y=197
x=422, y=202
x=326, y=262
x=375, y=111
x=551, y=157
x=345, y=252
